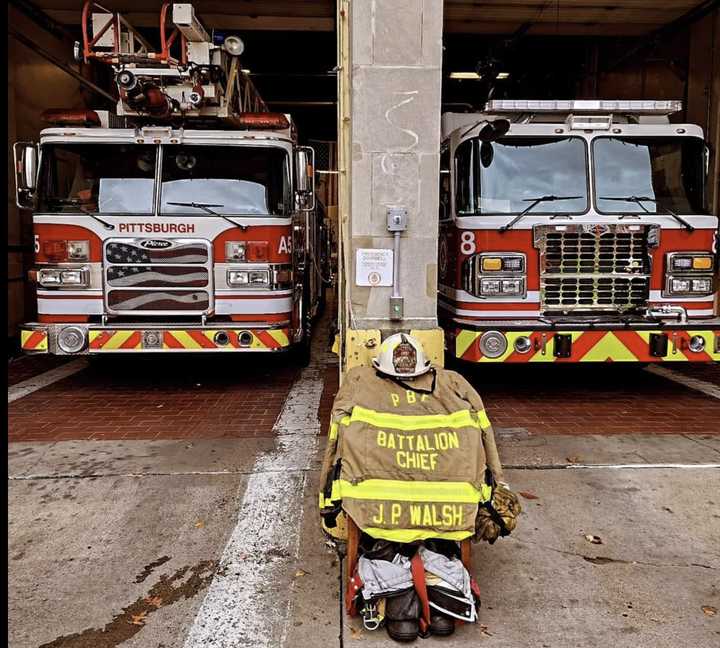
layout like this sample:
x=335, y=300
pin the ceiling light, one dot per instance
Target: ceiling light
x=502, y=75
x=465, y=75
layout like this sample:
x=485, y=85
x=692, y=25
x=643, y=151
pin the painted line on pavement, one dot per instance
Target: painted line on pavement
x=221, y=473
x=698, y=385
x=243, y=605
x=31, y=385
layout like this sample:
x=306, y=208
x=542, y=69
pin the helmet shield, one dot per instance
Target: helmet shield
x=404, y=358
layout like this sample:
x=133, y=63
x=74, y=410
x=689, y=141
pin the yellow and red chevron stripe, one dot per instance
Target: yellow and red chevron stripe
x=189, y=340
x=34, y=341
x=592, y=346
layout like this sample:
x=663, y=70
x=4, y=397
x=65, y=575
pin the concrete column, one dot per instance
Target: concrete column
x=395, y=56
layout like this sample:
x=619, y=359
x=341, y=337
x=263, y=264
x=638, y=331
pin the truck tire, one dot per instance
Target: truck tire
x=301, y=351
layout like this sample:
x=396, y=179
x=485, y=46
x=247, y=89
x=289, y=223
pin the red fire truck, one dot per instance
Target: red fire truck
x=184, y=221
x=576, y=231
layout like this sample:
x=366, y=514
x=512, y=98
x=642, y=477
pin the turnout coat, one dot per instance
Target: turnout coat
x=408, y=459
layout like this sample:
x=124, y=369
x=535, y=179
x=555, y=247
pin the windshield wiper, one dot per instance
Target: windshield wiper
x=639, y=200
x=534, y=202
x=76, y=202
x=206, y=207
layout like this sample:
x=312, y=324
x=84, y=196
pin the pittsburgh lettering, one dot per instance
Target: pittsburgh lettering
x=157, y=228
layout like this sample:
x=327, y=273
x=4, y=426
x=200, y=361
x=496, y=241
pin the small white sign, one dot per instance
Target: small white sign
x=373, y=267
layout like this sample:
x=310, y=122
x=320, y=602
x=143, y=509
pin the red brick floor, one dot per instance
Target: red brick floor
x=158, y=398
x=592, y=399
x=28, y=366
x=707, y=371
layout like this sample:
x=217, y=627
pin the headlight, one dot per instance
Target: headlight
x=250, y=278
x=61, y=278
x=690, y=262
x=502, y=263
x=689, y=286
x=235, y=251
x=78, y=250
x=502, y=287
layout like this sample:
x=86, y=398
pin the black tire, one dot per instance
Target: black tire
x=301, y=351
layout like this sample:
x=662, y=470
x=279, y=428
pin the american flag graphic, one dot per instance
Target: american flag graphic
x=178, y=253
x=170, y=276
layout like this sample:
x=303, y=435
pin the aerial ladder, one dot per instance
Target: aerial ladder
x=190, y=77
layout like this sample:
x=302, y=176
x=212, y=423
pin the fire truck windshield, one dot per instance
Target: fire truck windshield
x=500, y=177
x=668, y=171
x=109, y=178
x=245, y=180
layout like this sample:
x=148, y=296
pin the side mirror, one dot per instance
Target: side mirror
x=26, y=169
x=305, y=177
x=493, y=130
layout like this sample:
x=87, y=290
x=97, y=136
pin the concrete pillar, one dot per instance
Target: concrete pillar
x=394, y=72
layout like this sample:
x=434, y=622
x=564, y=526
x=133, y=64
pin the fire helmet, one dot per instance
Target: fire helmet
x=401, y=356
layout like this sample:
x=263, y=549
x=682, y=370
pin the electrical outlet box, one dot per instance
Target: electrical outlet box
x=397, y=311
x=397, y=218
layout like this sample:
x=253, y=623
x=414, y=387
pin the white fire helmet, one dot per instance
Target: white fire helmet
x=401, y=356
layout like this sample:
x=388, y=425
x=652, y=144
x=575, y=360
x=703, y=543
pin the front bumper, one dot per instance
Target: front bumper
x=99, y=339
x=575, y=343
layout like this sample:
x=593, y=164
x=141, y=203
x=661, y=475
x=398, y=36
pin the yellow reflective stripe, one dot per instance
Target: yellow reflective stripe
x=459, y=419
x=333, y=431
x=411, y=491
x=279, y=336
x=484, y=420
x=411, y=535
x=463, y=341
x=118, y=339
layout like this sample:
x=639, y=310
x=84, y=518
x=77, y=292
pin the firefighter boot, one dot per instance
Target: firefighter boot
x=402, y=616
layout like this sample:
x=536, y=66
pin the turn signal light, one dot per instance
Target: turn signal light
x=55, y=250
x=257, y=251
x=702, y=263
x=491, y=263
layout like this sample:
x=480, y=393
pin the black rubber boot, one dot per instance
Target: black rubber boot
x=441, y=625
x=402, y=616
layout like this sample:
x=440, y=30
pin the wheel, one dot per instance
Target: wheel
x=301, y=351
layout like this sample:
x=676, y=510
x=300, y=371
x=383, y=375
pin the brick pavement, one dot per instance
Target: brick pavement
x=158, y=398
x=592, y=399
x=24, y=367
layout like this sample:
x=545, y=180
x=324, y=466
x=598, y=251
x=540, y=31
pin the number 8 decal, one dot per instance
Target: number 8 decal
x=467, y=242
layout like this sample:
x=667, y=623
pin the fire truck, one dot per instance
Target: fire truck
x=576, y=231
x=185, y=220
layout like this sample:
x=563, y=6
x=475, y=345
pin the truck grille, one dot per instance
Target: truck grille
x=157, y=276
x=593, y=267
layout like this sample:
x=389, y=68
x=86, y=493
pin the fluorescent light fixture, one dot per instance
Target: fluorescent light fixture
x=244, y=70
x=465, y=75
x=643, y=106
x=501, y=76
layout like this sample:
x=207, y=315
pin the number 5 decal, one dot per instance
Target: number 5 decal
x=467, y=242
x=37, y=243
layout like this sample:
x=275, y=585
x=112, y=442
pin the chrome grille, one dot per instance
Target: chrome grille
x=158, y=276
x=593, y=267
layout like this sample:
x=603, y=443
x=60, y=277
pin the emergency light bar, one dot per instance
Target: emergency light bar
x=640, y=107
x=262, y=121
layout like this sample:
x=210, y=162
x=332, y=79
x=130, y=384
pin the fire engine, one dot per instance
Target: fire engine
x=576, y=231
x=185, y=220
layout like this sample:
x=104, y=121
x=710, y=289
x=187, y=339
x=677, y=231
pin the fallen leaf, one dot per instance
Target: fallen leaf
x=528, y=495
x=355, y=633
x=199, y=524
x=668, y=509
x=139, y=619
x=573, y=459
x=484, y=630
x=594, y=539
x=300, y=572
x=155, y=601
x=709, y=610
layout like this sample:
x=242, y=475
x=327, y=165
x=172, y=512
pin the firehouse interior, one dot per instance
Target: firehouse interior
x=537, y=49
